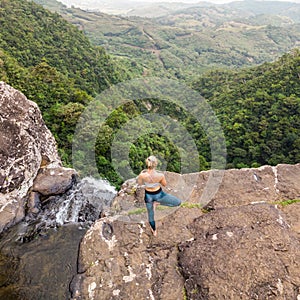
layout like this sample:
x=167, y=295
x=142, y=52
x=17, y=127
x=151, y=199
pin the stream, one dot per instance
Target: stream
x=38, y=257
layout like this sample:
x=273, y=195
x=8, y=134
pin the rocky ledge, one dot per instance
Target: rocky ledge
x=244, y=245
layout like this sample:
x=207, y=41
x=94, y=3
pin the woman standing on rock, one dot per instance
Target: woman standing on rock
x=154, y=195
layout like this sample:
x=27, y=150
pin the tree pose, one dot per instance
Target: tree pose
x=153, y=180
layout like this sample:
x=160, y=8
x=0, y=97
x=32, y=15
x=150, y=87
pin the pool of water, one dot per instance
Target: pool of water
x=38, y=257
x=41, y=269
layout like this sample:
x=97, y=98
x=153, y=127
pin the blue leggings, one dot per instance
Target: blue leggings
x=162, y=198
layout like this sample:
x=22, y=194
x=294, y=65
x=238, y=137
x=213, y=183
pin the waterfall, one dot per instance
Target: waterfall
x=85, y=201
x=42, y=250
x=83, y=204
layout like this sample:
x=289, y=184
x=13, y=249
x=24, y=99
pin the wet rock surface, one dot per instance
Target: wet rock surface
x=40, y=269
x=84, y=203
x=38, y=256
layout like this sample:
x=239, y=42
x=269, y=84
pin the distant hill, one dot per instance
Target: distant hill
x=284, y=9
x=141, y=8
x=56, y=65
x=193, y=40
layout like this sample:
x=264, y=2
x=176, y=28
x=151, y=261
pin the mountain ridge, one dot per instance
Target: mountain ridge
x=193, y=40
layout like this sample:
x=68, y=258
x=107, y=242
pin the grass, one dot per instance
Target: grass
x=191, y=205
x=287, y=202
x=137, y=211
x=184, y=294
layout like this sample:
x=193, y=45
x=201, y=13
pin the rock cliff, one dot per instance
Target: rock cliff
x=27, y=148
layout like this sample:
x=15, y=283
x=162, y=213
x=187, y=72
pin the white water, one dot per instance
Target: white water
x=40, y=252
x=89, y=192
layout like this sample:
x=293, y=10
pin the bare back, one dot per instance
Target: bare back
x=152, y=179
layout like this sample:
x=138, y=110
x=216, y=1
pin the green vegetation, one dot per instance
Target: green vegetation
x=54, y=64
x=187, y=42
x=259, y=111
x=184, y=294
x=39, y=35
x=287, y=202
x=191, y=205
x=137, y=211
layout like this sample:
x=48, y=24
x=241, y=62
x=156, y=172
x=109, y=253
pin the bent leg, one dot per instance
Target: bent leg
x=169, y=200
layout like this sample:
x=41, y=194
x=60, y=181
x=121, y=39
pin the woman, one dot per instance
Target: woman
x=154, y=195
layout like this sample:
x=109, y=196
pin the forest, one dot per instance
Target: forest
x=189, y=41
x=56, y=64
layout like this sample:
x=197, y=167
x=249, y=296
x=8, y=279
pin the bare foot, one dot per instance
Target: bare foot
x=154, y=232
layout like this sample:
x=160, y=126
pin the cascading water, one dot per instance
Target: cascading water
x=38, y=257
x=83, y=204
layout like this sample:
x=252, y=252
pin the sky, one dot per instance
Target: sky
x=196, y=1
x=91, y=2
x=212, y=1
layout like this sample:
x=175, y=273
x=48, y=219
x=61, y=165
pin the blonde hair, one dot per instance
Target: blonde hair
x=151, y=162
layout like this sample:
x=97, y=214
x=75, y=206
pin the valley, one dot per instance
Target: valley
x=186, y=40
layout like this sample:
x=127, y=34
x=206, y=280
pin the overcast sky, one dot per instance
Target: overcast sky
x=76, y=2
x=196, y=1
x=213, y=1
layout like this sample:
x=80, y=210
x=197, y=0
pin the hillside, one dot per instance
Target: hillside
x=259, y=110
x=193, y=40
x=128, y=7
x=54, y=64
x=41, y=35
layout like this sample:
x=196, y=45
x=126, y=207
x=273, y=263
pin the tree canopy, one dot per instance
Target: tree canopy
x=54, y=64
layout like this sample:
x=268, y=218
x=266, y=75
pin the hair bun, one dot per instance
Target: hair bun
x=151, y=161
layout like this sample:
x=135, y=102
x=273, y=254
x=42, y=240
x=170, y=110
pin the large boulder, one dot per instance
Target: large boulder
x=239, y=186
x=267, y=184
x=25, y=145
x=122, y=260
x=247, y=252
x=54, y=181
